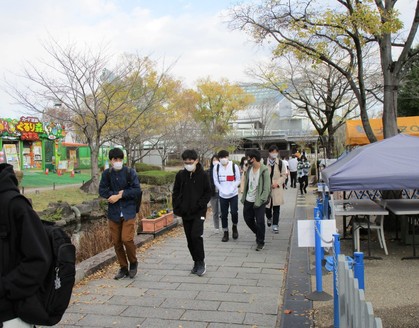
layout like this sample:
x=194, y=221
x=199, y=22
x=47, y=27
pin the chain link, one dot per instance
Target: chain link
x=320, y=235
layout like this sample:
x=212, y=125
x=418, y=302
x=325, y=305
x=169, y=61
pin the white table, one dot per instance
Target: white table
x=410, y=208
x=355, y=208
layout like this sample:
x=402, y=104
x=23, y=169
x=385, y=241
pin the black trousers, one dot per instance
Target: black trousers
x=194, y=229
x=303, y=183
x=293, y=179
x=273, y=211
x=255, y=220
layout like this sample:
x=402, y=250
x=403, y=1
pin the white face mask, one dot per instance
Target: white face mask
x=273, y=155
x=118, y=165
x=190, y=167
x=224, y=161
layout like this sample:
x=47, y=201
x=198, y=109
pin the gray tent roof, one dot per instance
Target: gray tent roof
x=390, y=164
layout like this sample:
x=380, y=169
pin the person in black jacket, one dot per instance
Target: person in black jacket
x=191, y=194
x=27, y=244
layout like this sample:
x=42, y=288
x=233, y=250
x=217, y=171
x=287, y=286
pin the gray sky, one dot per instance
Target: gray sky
x=191, y=32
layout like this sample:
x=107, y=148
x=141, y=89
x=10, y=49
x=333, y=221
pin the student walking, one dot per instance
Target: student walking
x=256, y=192
x=121, y=187
x=303, y=173
x=191, y=194
x=293, y=162
x=227, y=180
x=278, y=174
x=215, y=199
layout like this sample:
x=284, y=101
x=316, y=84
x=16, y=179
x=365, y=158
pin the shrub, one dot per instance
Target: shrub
x=142, y=167
x=174, y=162
x=157, y=178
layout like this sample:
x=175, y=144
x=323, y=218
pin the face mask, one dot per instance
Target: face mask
x=273, y=155
x=251, y=162
x=215, y=163
x=224, y=161
x=190, y=167
x=118, y=165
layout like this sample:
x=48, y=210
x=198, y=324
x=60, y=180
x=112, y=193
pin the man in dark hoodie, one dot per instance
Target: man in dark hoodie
x=23, y=236
x=191, y=194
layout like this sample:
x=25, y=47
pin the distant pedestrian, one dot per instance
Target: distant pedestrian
x=28, y=247
x=120, y=186
x=303, y=173
x=293, y=162
x=278, y=174
x=215, y=198
x=191, y=194
x=287, y=165
x=227, y=180
x=255, y=196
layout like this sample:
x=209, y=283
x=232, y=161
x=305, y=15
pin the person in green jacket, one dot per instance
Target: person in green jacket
x=256, y=193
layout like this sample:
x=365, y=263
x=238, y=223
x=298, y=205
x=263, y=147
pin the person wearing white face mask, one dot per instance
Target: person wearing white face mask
x=121, y=187
x=215, y=199
x=227, y=179
x=278, y=175
x=191, y=194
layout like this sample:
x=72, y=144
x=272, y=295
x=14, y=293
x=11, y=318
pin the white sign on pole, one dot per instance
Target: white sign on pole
x=306, y=232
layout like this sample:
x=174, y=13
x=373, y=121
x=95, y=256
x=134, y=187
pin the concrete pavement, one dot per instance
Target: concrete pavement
x=242, y=287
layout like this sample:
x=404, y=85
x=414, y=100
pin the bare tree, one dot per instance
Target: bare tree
x=87, y=86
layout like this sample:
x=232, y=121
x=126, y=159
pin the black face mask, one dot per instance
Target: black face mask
x=250, y=162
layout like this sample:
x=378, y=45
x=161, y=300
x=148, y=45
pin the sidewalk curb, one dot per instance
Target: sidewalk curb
x=101, y=260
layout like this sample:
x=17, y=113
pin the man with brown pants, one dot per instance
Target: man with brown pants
x=121, y=187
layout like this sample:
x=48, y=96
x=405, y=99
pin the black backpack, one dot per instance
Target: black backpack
x=47, y=306
x=129, y=182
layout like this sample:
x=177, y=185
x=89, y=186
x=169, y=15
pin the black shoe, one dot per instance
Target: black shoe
x=195, y=268
x=269, y=222
x=305, y=190
x=201, y=268
x=225, y=237
x=259, y=247
x=235, y=232
x=122, y=273
x=133, y=269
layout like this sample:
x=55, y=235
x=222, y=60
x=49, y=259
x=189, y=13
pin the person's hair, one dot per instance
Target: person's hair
x=273, y=148
x=116, y=153
x=212, y=159
x=223, y=153
x=253, y=153
x=189, y=154
x=303, y=158
x=242, y=161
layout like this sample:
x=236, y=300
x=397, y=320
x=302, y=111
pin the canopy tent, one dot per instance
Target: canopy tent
x=355, y=134
x=390, y=164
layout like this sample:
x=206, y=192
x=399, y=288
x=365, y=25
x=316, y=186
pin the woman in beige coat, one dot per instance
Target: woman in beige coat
x=278, y=173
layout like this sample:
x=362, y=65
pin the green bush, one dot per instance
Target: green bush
x=142, y=167
x=157, y=178
x=174, y=162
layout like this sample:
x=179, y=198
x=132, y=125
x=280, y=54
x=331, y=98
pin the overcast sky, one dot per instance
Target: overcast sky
x=193, y=32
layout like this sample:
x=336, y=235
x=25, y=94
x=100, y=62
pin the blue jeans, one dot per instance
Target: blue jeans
x=233, y=203
x=255, y=220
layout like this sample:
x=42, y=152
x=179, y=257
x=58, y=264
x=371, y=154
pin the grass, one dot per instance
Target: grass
x=34, y=179
x=71, y=195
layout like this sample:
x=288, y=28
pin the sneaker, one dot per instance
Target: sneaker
x=201, y=268
x=225, y=237
x=259, y=247
x=269, y=222
x=133, y=269
x=275, y=229
x=195, y=268
x=122, y=273
x=217, y=230
x=235, y=232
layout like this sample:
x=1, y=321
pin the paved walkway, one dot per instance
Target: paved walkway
x=242, y=287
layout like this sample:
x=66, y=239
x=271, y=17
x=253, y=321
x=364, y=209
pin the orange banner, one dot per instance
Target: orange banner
x=355, y=134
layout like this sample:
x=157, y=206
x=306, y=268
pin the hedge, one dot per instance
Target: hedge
x=142, y=167
x=157, y=177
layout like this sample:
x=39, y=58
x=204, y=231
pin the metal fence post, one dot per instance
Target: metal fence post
x=336, y=252
x=359, y=269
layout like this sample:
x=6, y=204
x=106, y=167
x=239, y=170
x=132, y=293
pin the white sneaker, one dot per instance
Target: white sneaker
x=217, y=230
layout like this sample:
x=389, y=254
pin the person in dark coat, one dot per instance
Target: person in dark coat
x=191, y=194
x=28, y=245
x=121, y=187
